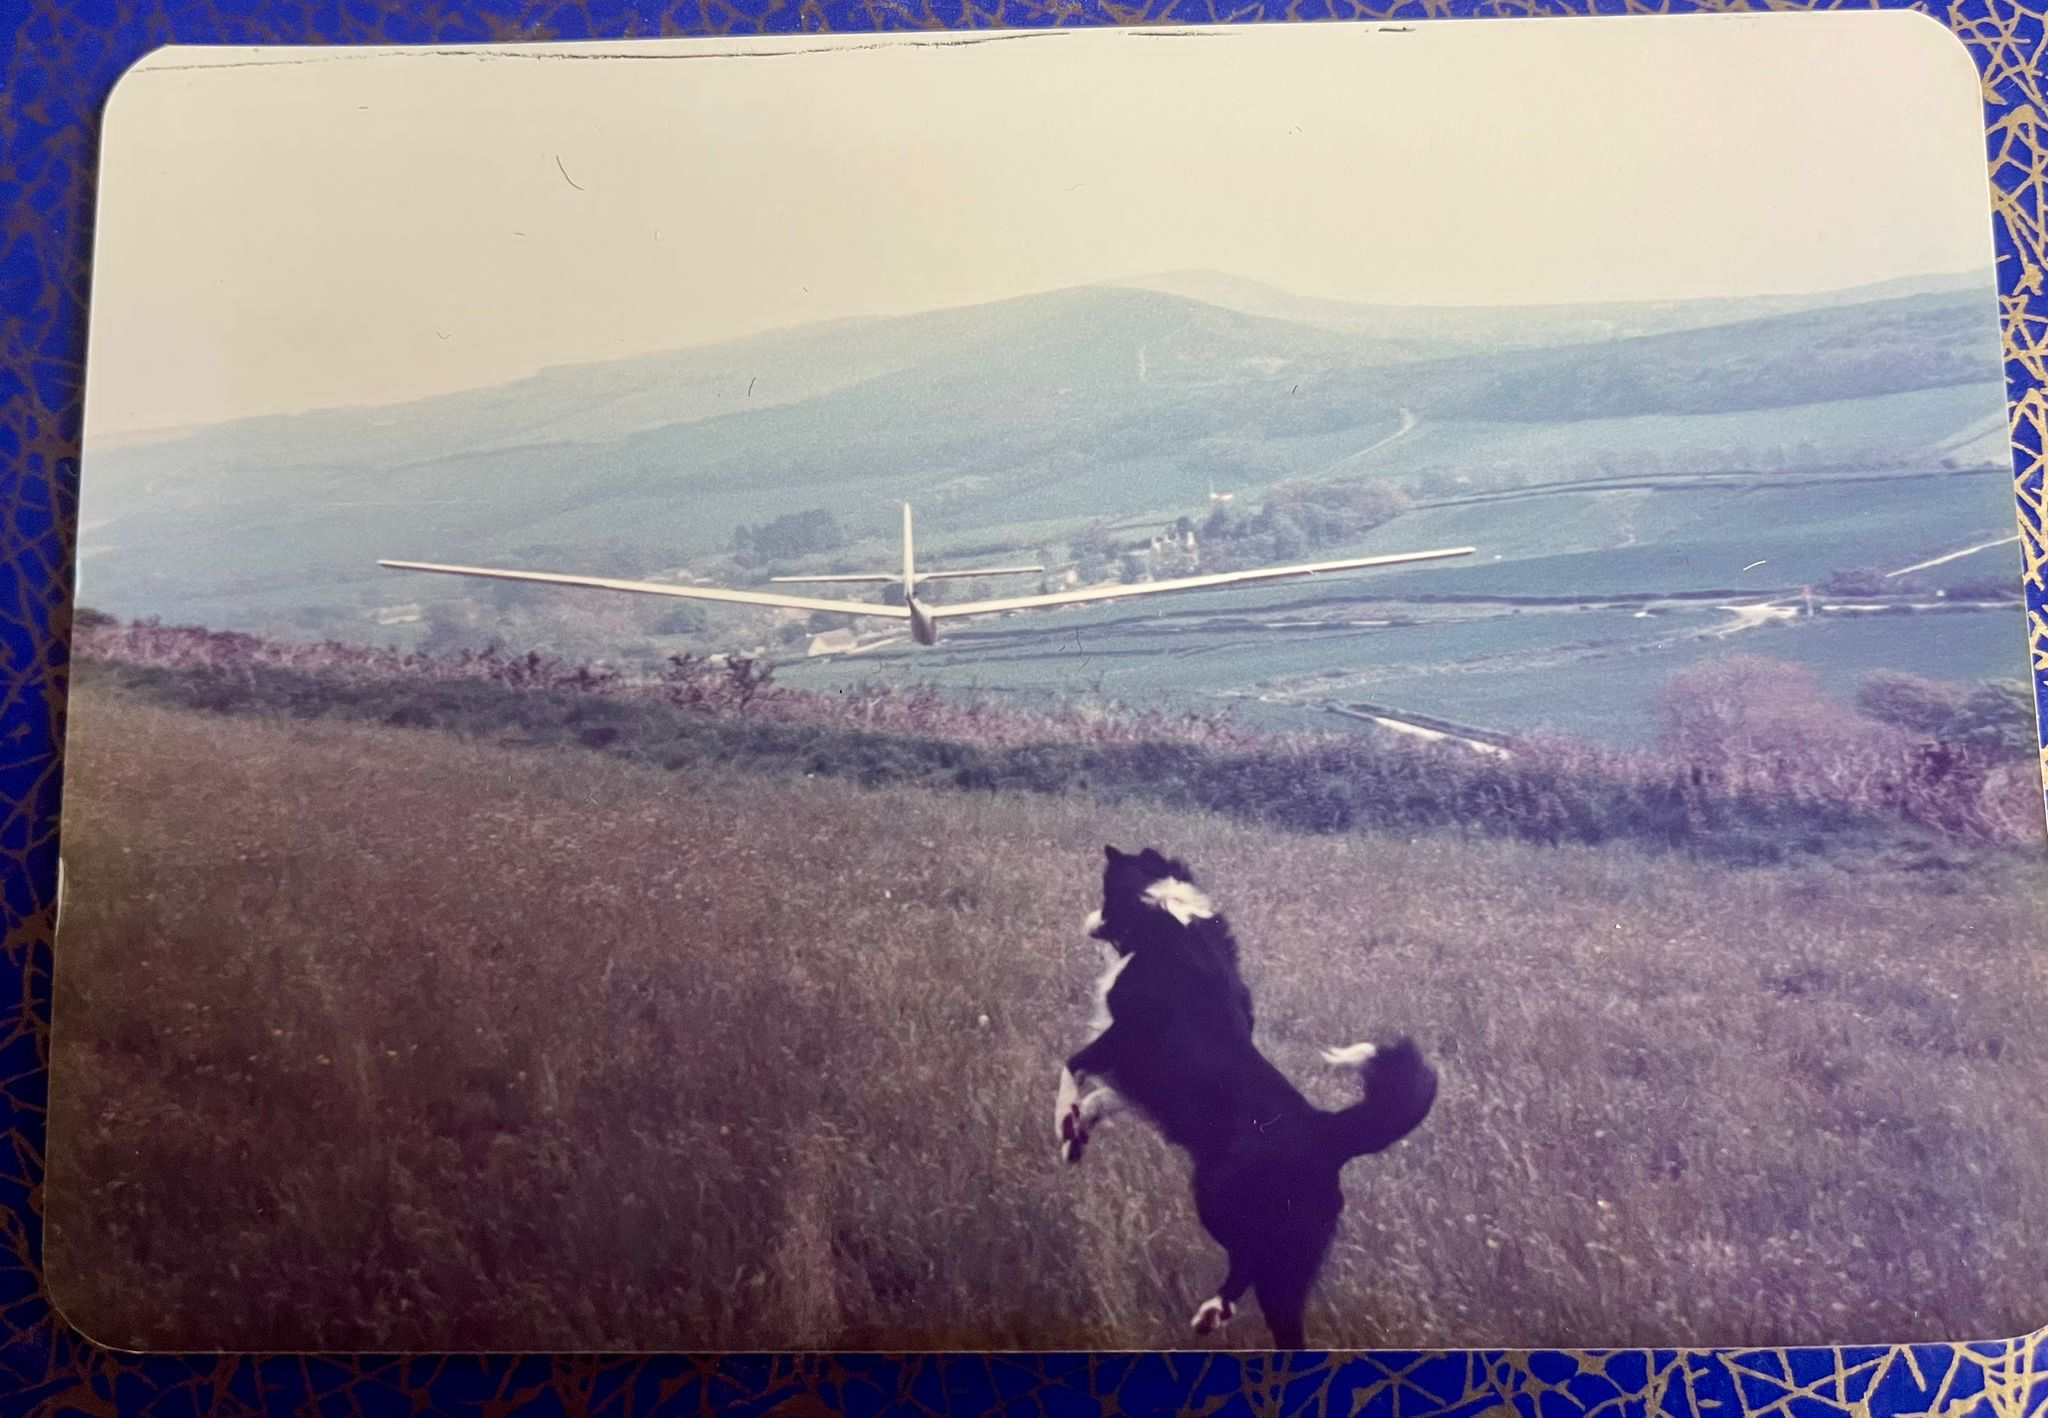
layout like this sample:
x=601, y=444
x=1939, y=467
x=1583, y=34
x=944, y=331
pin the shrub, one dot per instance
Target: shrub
x=1755, y=763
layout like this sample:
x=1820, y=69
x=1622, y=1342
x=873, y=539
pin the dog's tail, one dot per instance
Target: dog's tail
x=1399, y=1089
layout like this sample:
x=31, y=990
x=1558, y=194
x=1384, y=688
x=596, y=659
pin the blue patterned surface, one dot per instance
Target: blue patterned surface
x=59, y=63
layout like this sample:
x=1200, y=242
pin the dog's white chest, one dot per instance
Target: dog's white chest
x=1103, y=984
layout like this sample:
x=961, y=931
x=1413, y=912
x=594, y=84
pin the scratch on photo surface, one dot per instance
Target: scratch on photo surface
x=542, y=54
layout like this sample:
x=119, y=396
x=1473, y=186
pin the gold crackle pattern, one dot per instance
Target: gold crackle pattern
x=57, y=67
x=2008, y=43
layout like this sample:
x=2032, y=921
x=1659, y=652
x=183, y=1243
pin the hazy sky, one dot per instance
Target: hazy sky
x=282, y=230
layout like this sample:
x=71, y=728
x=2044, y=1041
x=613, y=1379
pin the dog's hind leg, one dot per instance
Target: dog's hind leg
x=1282, y=1287
x=1284, y=1309
x=1217, y=1310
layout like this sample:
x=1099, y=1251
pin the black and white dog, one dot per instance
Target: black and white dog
x=1174, y=1042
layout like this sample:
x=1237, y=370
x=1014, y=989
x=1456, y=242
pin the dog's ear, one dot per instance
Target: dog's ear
x=1112, y=853
x=1153, y=862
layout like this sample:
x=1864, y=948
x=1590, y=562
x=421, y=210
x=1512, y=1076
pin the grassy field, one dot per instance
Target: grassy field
x=370, y=1038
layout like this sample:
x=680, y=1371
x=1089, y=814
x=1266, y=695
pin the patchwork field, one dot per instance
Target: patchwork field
x=371, y=1038
x=1590, y=672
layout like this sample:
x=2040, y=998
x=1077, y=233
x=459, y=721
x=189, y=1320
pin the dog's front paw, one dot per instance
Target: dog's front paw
x=1073, y=1134
x=1068, y=1131
x=1214, y=1314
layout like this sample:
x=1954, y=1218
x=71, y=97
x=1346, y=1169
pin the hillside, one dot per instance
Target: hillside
x=501, y=1047
x=1008, y=424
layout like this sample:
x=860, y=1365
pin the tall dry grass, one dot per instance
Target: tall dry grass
x=369, y=1038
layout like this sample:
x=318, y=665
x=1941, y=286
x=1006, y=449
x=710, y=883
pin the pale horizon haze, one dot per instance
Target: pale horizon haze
x=283, y=230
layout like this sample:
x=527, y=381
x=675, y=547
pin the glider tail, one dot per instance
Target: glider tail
x=909, y=558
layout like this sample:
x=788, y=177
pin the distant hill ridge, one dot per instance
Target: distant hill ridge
x=695, y=381
x=1528, y=325
x=1004, y=422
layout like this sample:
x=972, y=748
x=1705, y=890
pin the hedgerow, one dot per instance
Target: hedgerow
x=1752, y=803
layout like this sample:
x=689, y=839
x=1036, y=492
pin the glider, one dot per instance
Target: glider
x=924, y=619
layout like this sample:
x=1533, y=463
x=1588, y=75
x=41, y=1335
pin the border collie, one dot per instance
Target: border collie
x=1174, y=1042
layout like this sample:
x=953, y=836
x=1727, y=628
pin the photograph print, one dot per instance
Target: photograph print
x=1307, y=685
